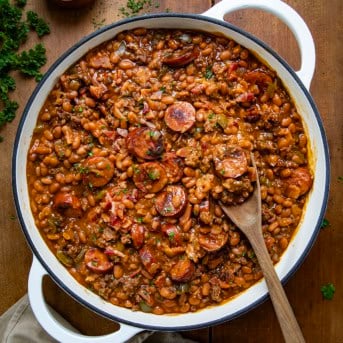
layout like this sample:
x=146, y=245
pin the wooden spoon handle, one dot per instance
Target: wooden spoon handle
x=288, y=323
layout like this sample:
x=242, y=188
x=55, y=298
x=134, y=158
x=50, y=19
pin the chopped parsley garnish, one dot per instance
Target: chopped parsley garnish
x=21, y=3
x=37, y=24
x=13, y=33
x=135, y=169
x=133, y=7
x=13, y=217
x=168, y=209
x=211, y=116
x=251, y=255
x=98, y=23
x=151, y=133
x=163, y=89
x=81, y=169
x=325, y=223
x=328, y=291
x=153, y=175
x=222, y=171
x=340, y=178
x=208, y=73
x=139, y=220
x=171, y=235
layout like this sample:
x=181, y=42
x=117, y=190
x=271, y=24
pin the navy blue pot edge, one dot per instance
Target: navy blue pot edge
x=138, y=19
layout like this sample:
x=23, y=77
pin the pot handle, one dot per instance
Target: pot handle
x=289, y=16
x=55, y=325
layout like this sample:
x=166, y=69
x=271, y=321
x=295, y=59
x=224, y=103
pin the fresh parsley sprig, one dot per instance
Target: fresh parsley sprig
x=14, y=31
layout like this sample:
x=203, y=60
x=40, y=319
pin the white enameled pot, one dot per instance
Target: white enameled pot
x=297, y=84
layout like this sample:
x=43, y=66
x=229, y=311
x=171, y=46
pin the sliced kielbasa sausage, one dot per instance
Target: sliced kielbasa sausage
x=97, y=171
x=173, y=232
x=213, y=242
x=137, y=235
x=67, y=203
x=150, y=177
x=149, y=260
x=180, y=58
x=258, y=76
x=173, y=166
x=229, y=161
x=145, y=143
x=97, y=261
x=183, y=270
x=171, y=201
x=298, y=183
x=180, y=116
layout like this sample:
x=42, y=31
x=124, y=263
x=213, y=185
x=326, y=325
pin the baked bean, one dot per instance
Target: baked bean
x=48, y=135
x=54, y=187
x=37, y=185
x=46, y=181
x=126, y=64
x=225, y=55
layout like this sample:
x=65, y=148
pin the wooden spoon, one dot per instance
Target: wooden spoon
x=247, y=217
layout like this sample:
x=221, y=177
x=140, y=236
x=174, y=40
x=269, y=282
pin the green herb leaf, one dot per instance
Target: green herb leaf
x=21, y=3
x=208, y=73
x=340, y=178
x=30, y=61
x=37, y=24
x=13, y=33
x=325, y=223
x=153, y=175
x=328, y=291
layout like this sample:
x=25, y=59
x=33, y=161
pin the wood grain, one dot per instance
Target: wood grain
x=319, y=319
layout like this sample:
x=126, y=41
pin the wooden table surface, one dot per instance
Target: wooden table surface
x=321, y=320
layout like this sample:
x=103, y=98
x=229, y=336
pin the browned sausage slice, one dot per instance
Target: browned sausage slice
x=213, y=242
x=149, y=260
x=97, y=171
x=230, y=161
x=173, y=166
x=150, y=177
x=145, y=143
x=137, y=234
x=299, y=183
x=180, y=58
x=183, y=270
x=171, y=201
x=180, y=116
x=68, y=203
x=97, y=261
x=173, y=233
x=258, y=76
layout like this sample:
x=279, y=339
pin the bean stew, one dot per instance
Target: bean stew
x=135, y=146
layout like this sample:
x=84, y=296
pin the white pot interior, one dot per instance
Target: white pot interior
x=298, y=247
